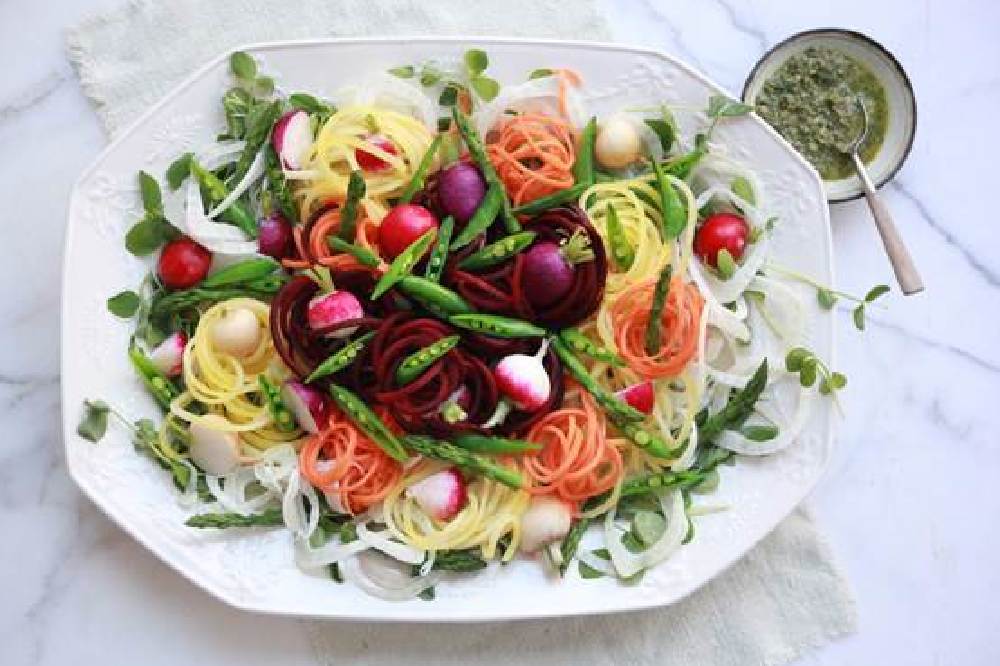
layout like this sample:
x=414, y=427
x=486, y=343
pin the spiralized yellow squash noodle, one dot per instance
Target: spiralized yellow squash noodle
x=229, y=387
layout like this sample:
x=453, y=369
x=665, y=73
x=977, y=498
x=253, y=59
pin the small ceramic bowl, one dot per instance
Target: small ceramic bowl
x=899, y=96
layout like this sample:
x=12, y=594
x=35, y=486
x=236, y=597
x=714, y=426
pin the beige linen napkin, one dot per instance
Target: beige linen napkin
x=784, y=597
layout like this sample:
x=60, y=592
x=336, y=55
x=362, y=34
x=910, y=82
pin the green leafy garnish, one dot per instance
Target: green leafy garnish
x=94, y=423
x=449, y=96
x=742, y=188
x=720, y=106
x=149, y=234
x=243, y=66
x=827, y=298
x=809, y=367
x=179, y=170
x=149, y=191
x=485, y=87
x=540, y=73
x=309, y=104
x=404, y=72
x=760, y=433
x=859, y=311
x=476, y=61
x=725, y=264
x=430, y=75
x=124, y=304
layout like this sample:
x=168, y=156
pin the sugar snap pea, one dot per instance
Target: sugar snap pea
x=478, y=151
x=622, y=251
x=403, y=264
x=416, y=363
x=368, y=421
x=243, y=272
x=481, y=220
x=583, y=167
x=649, y=483
x=279, y=411
x=580, y=343
x=420, y=175
x=349, y=213
x=542, y=204
x=660, y=292
x=497, y=326
x=498, y=252
x=341, y=358
x=495, y=445
x=439, y=299
x=473, y=462
x=439, y=255
x=159, y=385
x=672, y=215
x=365, y=256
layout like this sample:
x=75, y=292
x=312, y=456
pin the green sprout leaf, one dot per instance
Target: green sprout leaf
x=540, y=73
x=760, y=433
x=124, y=304
x=263, y=86
x=725, y=264
x=859, y=317
x=404, y=72
x=826, y=298
x=243, y=66
x=179, y=170
x=476, y=61
x=875, y=292
x=429, y=75
x=309, y=104
x=485, y=87
x=449, y=96
x=720, y=106
x=94, y=423
x=795, y=358
x=149, y=234
x=149, y=191
x=664, y=131
x=742, y=188
x=807, y=375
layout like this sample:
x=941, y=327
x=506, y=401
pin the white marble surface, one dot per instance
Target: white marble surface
x=909, y=505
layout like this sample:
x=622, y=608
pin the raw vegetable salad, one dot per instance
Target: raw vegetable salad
x=433, y=323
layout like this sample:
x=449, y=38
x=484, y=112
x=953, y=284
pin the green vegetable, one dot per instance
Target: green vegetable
x=349, y=213
x=759, y=433
x=571, y=543
x=242, y=272
x=674, y=218
x=439, y=255
x=497, y=326
x=419, y=361
x=619, y=410
x=478, y=152
x=540, y=73
x=310, y=104
x=802, y=361
x=459, y=561
x=158, y=384
x=362, y=254
x=438, y=299
x=341, y=358
x=153, y=230
x=243, y=66
x=720, y=106
x=859, y=312
x=827, y=298
x=498, y=252
x=660, y=293
x=648, y=527
x=742, y=188
x=267, y=518
x=368, y=421
x=179, y=170
x=583, y=167
x=476, y=61
x=542, y=204
x=649, y=483
x=279, y=412
x=738, y=409
x=259, y=122
x=419, y=176
x=403, y=264
x=622, y=251
x=278, y=186
x=494, y=445
x=124, y=304
x=404, y=72
x=485, y=87
x=682, y=165
x=664, y=131
x=473, y=462
x=725, y=264
x=149, y=191
x=94, y=423
x=581, y=344
x=214, y=191
x=449, y=95
x=483, y=217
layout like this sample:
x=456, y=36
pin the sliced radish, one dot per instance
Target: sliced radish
x=327, y=310
x=292, y=137
x=169, y=354
x=547, y=519
x=237, y=332
x=641, y=396
x=441, y=495
x=370, y=161
x=524, y=380
x=213, y=449
x=307, y=404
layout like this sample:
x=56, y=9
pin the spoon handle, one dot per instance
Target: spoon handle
x=902, y=264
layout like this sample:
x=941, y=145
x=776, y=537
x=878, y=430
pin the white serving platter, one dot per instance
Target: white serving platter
x=254, y=570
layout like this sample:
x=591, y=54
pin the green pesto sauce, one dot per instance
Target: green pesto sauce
x=810, y=100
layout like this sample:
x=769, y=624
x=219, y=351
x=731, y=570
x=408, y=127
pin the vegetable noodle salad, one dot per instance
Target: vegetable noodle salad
x=433, y=323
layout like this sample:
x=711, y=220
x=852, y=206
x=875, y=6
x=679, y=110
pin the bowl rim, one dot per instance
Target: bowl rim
x=870, y=43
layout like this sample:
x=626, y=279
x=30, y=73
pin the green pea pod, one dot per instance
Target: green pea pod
x=497, y=326
x=481, y=220
x=159, y=385
x=540, y=205
x=279, y=412
x=650, y=483
x=649, y=442
x=660, y=293
x=278, y=186
x=349, y=213
x=268, y=284
x=403, y=265
x=340, y=359
x=419, y=361
x=674, y=219
x=438, y=298
x=368, y=421
x=439, y=255
x=579, y=342
x=214, y=191
x=583, y=168
x=621, y=249
x=240, y=273
x=499, y=252
x=478, y=151
x=362, y=254
x=473, y=462
x=420, y=175
x=495, y=445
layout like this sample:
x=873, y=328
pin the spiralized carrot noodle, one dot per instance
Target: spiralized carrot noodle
x=311, y=247
x=679, y=325
x=342, y=461
x=533, y=155
x=577, y=459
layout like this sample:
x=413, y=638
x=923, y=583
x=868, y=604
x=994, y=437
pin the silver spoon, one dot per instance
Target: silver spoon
x=902, y=264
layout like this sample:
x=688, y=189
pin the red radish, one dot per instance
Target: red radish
x=329, y=309
x=169, y=354
x=461, y=189
x=214, y=448
x=441, y=495
x=523, y=379
x=722, y=231
x=371, y=162
x=237, y=332
x=309, y=406
x=292, y=137
x=275, y=236
x=549, y=269
x=640, y=396
x=183, y=263
x=403, y=225
x=547, y=519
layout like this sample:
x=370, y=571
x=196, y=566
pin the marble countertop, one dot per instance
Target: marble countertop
x=907, y=505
